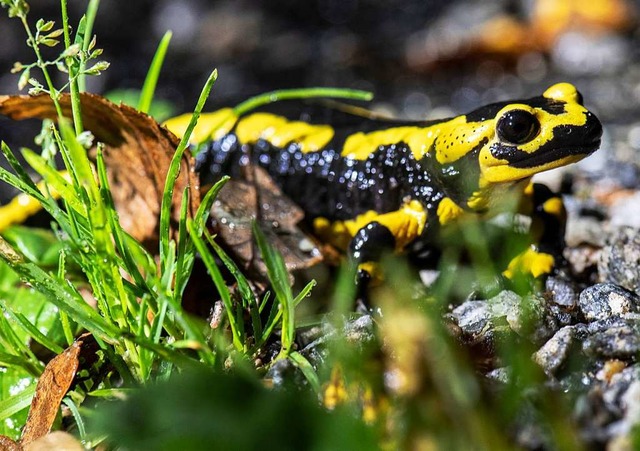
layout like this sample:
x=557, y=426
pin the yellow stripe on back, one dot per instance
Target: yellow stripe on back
x=279, y=131
x=210, y=125
x=360, y=145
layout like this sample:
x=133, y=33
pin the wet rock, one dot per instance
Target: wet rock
x=605, y=300
x=282, y=372
x=359, y=332
x=500, y=375
x=617, y=342
x=472, y=316
x=563, y=291
x=552, y=355
x=630, y=405
x=610, y=407
x=503, y=313
x=620, y=259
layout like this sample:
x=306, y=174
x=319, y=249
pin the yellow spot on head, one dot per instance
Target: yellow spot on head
x=564, y=92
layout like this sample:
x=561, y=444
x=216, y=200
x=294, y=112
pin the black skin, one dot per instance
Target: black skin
x=325, y=184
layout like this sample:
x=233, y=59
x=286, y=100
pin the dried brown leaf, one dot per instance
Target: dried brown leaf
x=257, y=197
x=138, y=153
x=51, y=388
x=7, y=444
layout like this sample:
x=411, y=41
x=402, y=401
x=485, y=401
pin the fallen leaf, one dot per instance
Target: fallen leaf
x=7, y=444
x=257, y=197
x=51, y=388
x=138, y=152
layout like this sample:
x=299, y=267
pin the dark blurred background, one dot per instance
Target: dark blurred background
x=421, y=58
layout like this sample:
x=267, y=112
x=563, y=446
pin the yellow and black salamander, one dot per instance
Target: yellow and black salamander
x=377, y=185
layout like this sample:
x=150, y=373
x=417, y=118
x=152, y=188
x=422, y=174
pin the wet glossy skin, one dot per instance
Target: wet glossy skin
x=393, y=185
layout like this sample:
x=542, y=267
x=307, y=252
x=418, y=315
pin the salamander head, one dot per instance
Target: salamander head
x=515, y=140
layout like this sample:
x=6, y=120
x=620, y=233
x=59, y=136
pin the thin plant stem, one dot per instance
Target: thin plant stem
x=73, y=81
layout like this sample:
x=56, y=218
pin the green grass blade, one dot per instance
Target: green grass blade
x=185, y=256
x=302, y=93
x=174, y=169
x=150, y=82
x=79, y=160
x=204, y=209
x=55, y=179
x=307, y=369
x=67, y=401
x=86, y=34
x=249, y=300
x=59, y=294
x=31, y=329
x=279, y=279
x=220, y=284
x=16, y=403
x=16, y=166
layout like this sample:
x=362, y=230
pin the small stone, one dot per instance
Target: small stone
x=472, y=316
x=562, y=290
x=360, y=331
x=501, y=375
x=504, y=313
x=554, y=352
x=606, y=300
x=620, y=259
x=618, y=342
x=509, y=305
x=582, y=259
x=610, y=369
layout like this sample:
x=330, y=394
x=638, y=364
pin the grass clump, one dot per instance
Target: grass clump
x=142, y=331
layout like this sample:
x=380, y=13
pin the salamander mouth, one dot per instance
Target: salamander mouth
x=524, y=160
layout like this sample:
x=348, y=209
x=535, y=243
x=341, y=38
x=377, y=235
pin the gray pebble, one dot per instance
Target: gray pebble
x=554, y=352
x=620, y=259
x=504, y=313
x=472, y=316
x=618, y=342
x=563, y=291
x=606, y=300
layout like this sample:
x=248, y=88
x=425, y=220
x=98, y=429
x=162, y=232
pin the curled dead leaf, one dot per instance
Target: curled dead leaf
x=138, y=152
x=8, y=444
x=51, y=388
x=257, y=197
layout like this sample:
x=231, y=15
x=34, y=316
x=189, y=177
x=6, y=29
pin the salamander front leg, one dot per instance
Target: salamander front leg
x=548, y=224
x=365, y=249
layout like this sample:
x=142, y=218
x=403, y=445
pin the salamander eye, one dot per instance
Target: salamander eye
x=517, y=127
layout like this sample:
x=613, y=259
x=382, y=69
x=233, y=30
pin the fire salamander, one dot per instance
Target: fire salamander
x=394, y=186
